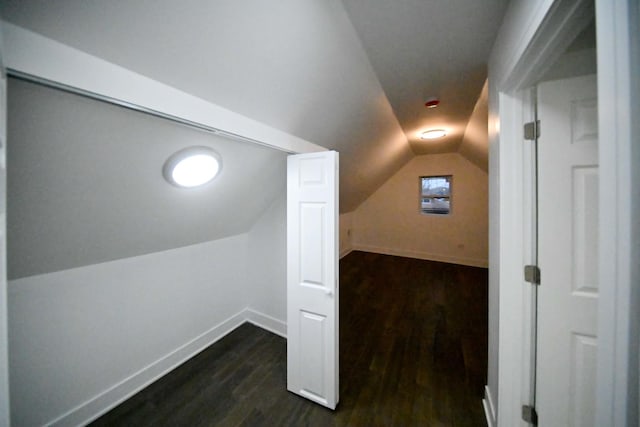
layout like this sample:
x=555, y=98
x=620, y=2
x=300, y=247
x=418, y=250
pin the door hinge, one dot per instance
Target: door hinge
x=532, y=274
x=529, y=414
x=532, y=130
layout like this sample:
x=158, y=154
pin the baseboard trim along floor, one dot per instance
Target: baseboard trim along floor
x=112, y=397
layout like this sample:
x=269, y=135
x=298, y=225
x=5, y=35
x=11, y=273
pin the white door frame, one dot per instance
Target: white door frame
x=529, y=39
x=4, y=351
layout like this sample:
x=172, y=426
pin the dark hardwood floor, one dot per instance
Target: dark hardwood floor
x=413, y=351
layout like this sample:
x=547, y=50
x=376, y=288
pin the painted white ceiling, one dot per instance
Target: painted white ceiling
x=424, y=48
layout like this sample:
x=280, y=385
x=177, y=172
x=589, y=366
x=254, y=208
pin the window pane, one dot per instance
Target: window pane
x=437, y=185
x=435, y=197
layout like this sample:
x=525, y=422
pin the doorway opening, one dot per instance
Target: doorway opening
x=561, y=224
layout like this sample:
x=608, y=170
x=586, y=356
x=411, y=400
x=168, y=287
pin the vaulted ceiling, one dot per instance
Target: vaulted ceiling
x=348, y=75
x=421, y=49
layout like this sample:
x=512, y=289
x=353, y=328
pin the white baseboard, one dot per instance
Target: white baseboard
x=266, y=322
x=110, y=398
x=345, y=252
x=473, y=262
x=489, y=408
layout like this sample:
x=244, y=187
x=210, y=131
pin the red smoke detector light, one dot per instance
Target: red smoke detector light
x=432, y=103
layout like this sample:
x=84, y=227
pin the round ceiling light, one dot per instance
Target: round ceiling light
x=433, y=134
x=192, y=167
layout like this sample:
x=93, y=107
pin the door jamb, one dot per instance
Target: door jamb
x=555, y=31
x=619, y=305
x=617, y=395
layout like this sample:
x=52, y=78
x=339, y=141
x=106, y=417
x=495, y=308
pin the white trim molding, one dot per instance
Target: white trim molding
x=407, y=253
x=266, y=322
x=514, y=326
x=489, y=408
x=618, y=40
x=345, y=252
x=110, y=398
x=36, y=57
x=123, y=390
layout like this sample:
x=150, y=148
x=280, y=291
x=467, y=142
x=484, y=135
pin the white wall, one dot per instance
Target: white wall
x=475, y=140
x=390, y=222
x=80, y=339
x=267, y=267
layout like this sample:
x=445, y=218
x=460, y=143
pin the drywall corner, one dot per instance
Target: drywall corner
x=346, y=234
x=266, y=291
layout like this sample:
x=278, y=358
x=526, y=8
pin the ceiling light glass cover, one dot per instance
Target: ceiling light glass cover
x=433, y=134
x=192, y=167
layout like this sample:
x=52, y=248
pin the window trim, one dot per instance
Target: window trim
x=421, y=196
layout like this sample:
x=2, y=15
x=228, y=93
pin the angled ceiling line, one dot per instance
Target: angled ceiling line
x=135, y=107
x=39, y=57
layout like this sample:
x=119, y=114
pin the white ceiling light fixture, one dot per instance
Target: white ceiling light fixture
x=192, y=167
x=433, y=134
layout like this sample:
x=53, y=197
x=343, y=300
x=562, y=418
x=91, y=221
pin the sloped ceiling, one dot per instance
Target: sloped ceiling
x=424, y=48
x=351, y=76
x=85, y=183
x=295, y=65
x=474, y=145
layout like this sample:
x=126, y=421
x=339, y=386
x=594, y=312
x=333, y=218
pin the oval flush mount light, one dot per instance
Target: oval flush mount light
x=192, y=167
x=433, y=134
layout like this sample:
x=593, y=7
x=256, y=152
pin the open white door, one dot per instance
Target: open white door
x=312, y=276
x=568, y=252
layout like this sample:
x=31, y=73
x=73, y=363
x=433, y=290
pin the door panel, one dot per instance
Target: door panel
x=585, y=235
x=312, y=218
x=568, y=252
x=583, y=386
x=312, y=339
x=312, y=276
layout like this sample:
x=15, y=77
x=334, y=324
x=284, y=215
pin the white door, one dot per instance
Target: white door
x=568, y=252
x=312, y=276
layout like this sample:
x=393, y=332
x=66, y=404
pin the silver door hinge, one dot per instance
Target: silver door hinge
x=532, y=274
x=529, y=414
x=532, y=130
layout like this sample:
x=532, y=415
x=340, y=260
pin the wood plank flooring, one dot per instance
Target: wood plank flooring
x=413, y=352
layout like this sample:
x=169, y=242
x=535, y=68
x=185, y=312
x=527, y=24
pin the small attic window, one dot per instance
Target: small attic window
x=435, y=195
